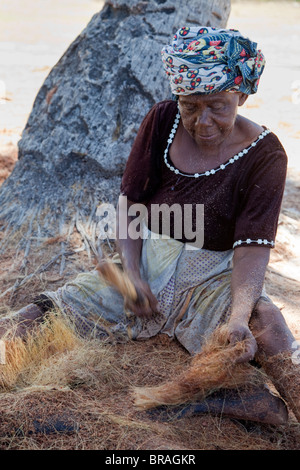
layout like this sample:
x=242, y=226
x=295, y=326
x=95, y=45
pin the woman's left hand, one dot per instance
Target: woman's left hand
x=238, y=332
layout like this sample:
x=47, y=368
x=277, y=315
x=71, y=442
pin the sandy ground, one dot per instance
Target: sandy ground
x=275, y=26
x=34, y=35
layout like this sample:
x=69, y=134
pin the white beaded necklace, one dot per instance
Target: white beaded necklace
x=209, y=172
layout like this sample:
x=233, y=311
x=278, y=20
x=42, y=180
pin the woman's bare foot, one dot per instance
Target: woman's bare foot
x=19, y=323
x=258, y=404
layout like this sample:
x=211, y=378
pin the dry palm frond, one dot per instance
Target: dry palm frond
x=213, y=368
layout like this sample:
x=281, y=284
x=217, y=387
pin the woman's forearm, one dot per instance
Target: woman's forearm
x=130, y=254
x=248, y=274
x=128, y=248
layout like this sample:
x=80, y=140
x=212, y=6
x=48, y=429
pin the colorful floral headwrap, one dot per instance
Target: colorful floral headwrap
x=206, y=60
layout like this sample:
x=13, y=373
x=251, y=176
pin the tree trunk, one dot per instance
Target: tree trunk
x=77, y=139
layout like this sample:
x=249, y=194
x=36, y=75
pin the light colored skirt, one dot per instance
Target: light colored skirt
x=191, y=285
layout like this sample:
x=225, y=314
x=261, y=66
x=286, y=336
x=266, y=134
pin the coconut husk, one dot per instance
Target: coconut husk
x=113, y=276
x=215, y=367
x=24, y=355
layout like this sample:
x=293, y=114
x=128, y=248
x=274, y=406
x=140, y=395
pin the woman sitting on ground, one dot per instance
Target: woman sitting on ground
x=197, y=151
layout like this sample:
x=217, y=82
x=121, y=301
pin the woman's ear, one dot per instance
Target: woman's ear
x=242, y=98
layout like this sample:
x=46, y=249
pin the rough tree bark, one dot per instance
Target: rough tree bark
x=78, y=136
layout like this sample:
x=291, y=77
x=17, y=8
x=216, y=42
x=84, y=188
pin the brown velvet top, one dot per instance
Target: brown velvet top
x=241, y=202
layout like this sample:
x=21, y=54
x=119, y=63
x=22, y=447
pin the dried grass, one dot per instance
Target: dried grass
x=214, y=368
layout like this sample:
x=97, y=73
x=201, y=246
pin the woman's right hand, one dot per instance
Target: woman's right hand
x=146, y=304
x=129, y=250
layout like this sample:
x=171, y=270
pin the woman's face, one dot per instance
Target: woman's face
x=210, y=119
